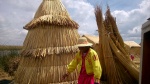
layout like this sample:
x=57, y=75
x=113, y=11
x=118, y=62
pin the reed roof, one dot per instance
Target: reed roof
x=94, y=39
x=48, y=47
x=51, y=31
x=51, y=12
x=132, y=44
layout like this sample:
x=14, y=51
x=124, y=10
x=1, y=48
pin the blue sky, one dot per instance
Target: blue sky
x=130, y=15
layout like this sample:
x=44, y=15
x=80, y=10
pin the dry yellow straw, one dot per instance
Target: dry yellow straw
x=49, y=46
x=119, y=68
x=105, y=50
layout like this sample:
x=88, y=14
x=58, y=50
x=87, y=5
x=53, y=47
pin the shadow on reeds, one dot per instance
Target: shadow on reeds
x=5, y=81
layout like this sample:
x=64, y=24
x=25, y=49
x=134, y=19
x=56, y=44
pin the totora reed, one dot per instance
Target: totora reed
x=48, y=47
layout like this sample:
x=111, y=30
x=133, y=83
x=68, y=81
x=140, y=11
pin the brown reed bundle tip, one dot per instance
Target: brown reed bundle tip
x=128, y=64
x=99, y=19
x=119, y=68
x=113, y=26
x=105, y=49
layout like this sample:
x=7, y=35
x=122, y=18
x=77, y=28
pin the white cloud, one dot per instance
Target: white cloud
x=129, y=22
x=83, y=14
x=12, y=36
x=2, y=19
x=135, y=30
x=16, y=13
x=21, y=5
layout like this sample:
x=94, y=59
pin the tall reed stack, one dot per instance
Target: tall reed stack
x=119, y=68
x=49, y=46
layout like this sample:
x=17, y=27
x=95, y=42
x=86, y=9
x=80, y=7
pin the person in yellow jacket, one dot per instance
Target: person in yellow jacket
x=87, y=63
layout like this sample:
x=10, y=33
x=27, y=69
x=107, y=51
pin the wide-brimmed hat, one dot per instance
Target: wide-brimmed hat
x=82, y=42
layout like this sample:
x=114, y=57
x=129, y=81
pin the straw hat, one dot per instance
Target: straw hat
x=82, y=42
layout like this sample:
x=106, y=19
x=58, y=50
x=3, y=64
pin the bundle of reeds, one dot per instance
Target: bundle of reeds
x=119, y=68
x=109, y=65
x=49, y=46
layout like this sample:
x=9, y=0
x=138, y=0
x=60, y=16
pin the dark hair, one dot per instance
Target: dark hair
x=88, y=46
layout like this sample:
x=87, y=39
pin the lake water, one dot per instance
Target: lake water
x=9, y=52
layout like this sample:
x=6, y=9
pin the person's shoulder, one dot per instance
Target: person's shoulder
x=92, y=50
x=77, y=53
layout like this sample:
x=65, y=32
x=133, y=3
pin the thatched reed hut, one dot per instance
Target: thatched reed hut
x=49, y=46
x=133, y=48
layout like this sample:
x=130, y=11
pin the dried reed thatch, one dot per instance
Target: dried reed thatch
x=49, y=46
x=119, y=68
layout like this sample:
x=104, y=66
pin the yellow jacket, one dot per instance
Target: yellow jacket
x=92, y=64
